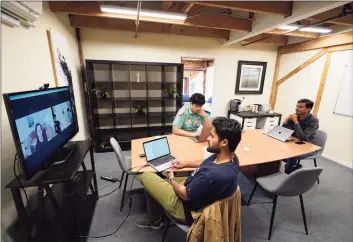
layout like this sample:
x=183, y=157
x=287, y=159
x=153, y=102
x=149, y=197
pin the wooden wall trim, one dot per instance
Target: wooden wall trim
x=322, y=84
x=341, y=48
x=302, y=66
x=274, y=88
x=333, y=47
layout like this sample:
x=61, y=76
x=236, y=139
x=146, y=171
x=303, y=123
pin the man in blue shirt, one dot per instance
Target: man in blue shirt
x=190, y=117
x=214, y=179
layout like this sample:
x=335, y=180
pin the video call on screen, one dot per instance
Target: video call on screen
x=44, y=121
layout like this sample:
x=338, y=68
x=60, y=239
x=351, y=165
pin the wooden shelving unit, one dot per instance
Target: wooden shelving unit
x=132, y=84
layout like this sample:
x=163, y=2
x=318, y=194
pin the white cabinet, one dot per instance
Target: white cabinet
x=251, y=120
x=267, y=123
x=249, y=123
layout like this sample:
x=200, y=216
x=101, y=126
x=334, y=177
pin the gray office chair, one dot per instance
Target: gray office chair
x=173, y=222
x=295, y=184
x=124, y=166
x=320, y=140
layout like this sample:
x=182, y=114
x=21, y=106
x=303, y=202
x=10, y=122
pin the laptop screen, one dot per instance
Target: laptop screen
x=156, y=148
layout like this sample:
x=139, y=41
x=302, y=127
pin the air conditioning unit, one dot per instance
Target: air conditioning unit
x=25, y=12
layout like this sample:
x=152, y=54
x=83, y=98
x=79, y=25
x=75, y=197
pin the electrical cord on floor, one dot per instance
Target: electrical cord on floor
x=19, y=180
x=140, y=167
x=127, y=216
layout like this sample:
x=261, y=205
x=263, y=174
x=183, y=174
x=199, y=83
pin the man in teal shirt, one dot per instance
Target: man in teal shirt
x=190, y=117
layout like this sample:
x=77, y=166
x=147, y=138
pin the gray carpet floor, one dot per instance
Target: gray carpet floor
x=328, y=205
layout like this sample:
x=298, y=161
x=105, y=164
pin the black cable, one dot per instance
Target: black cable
x=19, y=181
x=104, y=195
x=140, y=167
x=130, y=206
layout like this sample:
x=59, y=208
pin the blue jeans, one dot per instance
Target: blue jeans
x=292, y=162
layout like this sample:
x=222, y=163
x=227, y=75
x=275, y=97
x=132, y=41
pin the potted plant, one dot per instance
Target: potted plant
x=172, y=92
x=102, y=93
x=104, y=144
x=140, y=109
x=97, y=92
x=106, y=94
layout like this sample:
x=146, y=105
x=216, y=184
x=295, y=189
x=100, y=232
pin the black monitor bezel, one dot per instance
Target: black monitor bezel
x=20, y=156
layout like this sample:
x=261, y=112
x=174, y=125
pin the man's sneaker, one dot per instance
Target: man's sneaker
x=145, y=223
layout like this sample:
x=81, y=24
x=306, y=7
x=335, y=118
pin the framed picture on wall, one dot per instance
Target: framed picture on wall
x=250, y=77
x=59, y=52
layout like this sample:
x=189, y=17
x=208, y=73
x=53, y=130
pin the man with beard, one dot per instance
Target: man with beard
x=304, y=125
x=214, y=179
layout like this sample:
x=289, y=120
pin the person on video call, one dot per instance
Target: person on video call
x=41, y=136
x=304, y=125
x=56, y=125
x=69, y=115
x=214, y=179
x=190, y=117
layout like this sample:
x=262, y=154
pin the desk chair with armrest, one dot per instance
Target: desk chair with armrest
x=295, y=184
x=123, y=164
x=320, y=140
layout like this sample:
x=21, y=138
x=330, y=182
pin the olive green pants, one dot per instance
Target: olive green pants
x=160, y=195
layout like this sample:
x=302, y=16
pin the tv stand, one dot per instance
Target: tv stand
x=60, y=156
x=72, y=192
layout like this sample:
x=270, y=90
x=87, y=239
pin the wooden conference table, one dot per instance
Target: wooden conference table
x=262, y=150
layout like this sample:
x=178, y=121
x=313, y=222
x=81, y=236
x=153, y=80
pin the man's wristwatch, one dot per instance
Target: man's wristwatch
x=170, y=179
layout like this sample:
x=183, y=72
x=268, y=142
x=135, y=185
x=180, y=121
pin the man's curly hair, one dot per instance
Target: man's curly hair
x=228, y=129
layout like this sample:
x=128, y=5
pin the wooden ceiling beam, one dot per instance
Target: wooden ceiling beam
x=219, y=22
x=79, y=21
x=280, y=39
x=283, y=8
x=329, y=41
x=346, y=21
x=166, y=5
x=187, y=7
x=212, y=21
x=294, y=33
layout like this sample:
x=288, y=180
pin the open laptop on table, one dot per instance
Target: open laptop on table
x=205, y=132
x=158, y=153
x=280, y=133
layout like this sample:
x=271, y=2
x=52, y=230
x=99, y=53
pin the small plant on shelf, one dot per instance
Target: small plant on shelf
x=105, y=144
x=102, y=93
x=139, y=109
x=172, y=92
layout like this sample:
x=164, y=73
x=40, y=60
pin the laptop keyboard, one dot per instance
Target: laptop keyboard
x=163, y=160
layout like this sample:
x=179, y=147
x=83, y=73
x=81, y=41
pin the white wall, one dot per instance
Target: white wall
x=209, y=82
x=122, y=46
x=305, y=84
x=26, y=65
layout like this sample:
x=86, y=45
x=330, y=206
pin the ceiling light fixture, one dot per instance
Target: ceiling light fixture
x=288, y=27
x=316, y=30
x=143, y=13
x=308, y=29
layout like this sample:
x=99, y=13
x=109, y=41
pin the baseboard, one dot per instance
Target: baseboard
x=341, y=162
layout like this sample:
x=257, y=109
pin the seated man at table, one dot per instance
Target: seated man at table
x=304, y=125
x=190, y=117
x=214, y=179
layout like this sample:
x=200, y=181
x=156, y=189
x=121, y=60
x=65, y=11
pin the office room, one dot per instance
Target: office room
x=131, y=104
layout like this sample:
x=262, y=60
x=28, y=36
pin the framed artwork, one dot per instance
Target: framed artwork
x=250, y=77
x=59, y=52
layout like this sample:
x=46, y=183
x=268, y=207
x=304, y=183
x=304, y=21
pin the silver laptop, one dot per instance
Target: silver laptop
x=158, y=153
x=205, y=132
x=280, y=133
